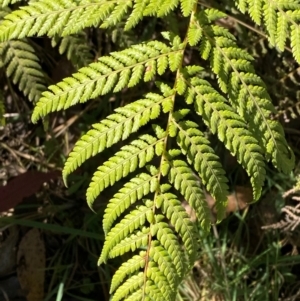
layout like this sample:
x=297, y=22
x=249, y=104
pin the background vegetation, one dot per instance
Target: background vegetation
x=249, y=256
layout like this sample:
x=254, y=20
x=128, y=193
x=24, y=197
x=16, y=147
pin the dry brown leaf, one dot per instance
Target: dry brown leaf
x=31, y=265
x=237, y=200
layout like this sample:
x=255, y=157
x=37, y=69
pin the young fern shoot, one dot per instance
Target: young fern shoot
x=174, y=160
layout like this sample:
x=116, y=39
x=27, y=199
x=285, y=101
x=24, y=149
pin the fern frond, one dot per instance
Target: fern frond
x=166, y=7
x=111, y=73
x=137, y=14
x=162, y=8
x=246, y=92
x=57, y=17
x=163, y=290
x=181, y=176
x=129, y=286
x=230, y=128
x=255, y=10
x=169, y=241
x=203, y=158
x=54, y=18
x=118, y=126
x=161, y=257
x=145, y=217
x=242, y=5
x=178, y=217
x=152, y=290
x=126, y=226
x=137, y=240
x=281, y=20
x=127, y=160
x=22, y=66
x=76, y=49
x=129, y=267
x=187, y=6
x=135, y=190
x=136, y=296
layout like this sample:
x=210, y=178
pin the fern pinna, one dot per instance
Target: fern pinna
x=175, y=160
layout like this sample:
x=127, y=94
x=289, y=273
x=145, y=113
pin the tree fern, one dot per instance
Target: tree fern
x=162, y=152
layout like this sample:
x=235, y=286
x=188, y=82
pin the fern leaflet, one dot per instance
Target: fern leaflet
x=245, y=90
x=22, y=65
x=281, y=20
x=116, y=127
x=111, y=73
x=127, y=160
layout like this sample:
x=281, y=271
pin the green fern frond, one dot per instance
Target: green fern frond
x=127, y=160
x=230, y=128
x=126, y=226
x=280, y=18
x=255, y=10
x=137, y=14
x=118, y=126
x=145, y=217
x=181, y=176
x=137, y=240
x=136, y=296
x=242, y=5
x=57, y=17
x=162, y=8
x=164, y=261
x=111, y=73
x=187, y=6
x=246, y=92
x=22, y=66
x=166, y=7
x=163, y=290
x=129, y=286
x=179, y=219
x=161, y=257
x=129, y=267
x=170, y=242
x=54, y=18
x=155, y=289
x=135, y=190
x=76, y=49
x=203, y=158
